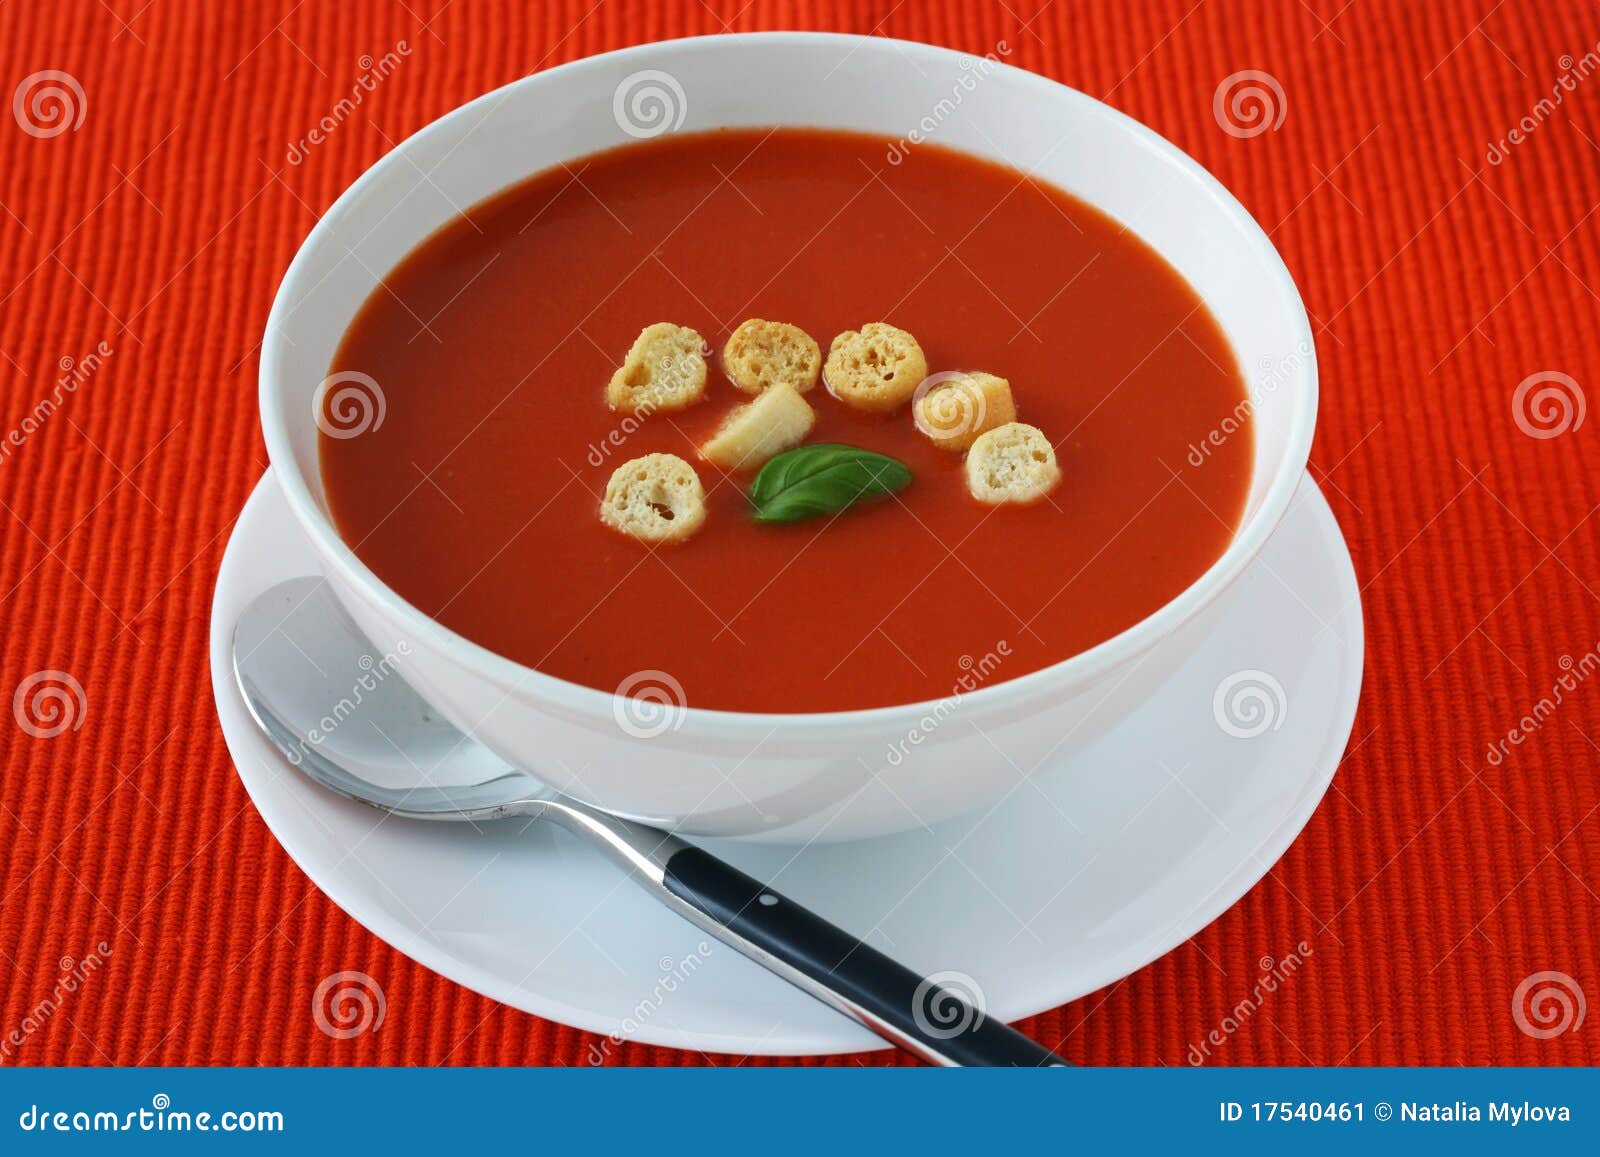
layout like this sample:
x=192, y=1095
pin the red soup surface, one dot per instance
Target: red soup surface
x=476, y=497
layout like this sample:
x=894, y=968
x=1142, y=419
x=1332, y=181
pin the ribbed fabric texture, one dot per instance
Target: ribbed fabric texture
x=1431, y=883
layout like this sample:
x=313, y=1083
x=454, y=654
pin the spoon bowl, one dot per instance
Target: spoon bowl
x=344, y=717
x=340, y=713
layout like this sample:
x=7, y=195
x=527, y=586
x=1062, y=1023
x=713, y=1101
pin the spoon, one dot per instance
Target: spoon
x=307, y=673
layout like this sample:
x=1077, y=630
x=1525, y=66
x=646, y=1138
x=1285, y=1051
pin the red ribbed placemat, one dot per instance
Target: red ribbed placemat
x=1433, y=881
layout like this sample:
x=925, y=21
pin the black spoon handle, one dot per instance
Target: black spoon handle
x=931, y=1016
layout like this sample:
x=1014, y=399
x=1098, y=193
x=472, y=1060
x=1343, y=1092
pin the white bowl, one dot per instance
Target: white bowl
x=836, y=775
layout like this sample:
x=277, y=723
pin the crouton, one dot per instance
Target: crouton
x=657, y=498
x=777, y=419
x=760, y=354
x=953, y=408
x=664, y=370
x=877, y=367
x=1011, y=463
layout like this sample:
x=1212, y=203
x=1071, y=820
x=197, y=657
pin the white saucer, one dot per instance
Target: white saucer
x=1085, y=873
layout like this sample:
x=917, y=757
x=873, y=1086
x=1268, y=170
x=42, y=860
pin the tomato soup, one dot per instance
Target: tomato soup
x=476, y=496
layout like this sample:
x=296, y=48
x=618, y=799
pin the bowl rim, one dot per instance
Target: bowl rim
x=591, y=701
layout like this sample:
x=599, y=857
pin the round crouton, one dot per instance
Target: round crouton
x=1011, y=463
x=664, y=370
x=761, y=354
x=657, y=498
x=777, y=419
x=877, y=367
x=953, y=408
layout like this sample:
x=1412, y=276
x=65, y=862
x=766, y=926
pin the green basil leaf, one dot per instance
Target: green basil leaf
x=823, y=478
